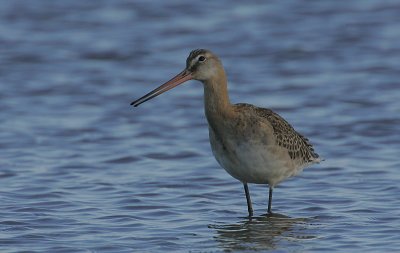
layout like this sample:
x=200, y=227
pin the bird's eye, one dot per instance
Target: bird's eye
x=202, y=58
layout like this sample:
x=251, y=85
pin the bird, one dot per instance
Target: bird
x=253, y=144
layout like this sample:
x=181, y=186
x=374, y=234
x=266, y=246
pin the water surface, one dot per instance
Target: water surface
x=82, y=171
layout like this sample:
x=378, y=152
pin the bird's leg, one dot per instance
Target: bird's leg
x=270, y=199
x=249, y=206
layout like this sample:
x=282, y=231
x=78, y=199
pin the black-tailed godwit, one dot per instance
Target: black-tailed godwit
x=253, y=144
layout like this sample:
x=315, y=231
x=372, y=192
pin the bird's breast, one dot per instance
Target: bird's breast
x=247, y=152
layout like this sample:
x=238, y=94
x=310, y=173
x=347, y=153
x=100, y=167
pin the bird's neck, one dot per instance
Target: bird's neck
x=216, y=99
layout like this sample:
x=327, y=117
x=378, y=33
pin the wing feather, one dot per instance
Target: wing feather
x=298, y=146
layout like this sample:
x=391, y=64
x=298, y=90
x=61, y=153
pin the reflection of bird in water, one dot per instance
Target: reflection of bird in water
x=254, y=145
x=262, y=233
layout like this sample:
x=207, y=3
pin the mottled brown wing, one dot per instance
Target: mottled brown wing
x=297, y=145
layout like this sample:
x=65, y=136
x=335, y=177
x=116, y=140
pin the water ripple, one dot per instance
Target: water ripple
x=79, y=165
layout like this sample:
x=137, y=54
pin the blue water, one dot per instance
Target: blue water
x=82, y=171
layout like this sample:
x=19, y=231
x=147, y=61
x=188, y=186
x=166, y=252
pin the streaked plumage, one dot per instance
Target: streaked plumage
x=253, y=144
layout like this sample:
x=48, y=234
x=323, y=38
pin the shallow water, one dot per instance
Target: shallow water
x=82, y=171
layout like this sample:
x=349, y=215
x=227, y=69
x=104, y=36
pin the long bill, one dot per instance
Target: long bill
x=175, y=81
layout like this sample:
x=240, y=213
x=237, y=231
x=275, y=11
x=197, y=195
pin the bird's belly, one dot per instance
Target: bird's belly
x=252, y=162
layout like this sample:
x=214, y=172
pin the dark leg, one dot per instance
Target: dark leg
x=249, y=207
x=270, y=199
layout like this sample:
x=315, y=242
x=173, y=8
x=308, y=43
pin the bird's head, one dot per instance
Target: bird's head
x=201, y=65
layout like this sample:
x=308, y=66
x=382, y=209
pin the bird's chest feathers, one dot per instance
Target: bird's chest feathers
x=235, y=139
x=246, y=152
